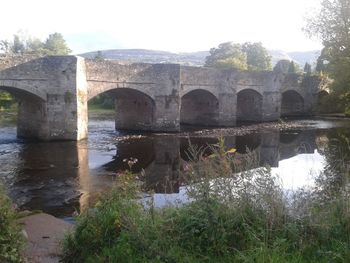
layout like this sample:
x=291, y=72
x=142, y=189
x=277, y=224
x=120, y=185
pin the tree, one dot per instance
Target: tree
x=332, y=26
x=292, y=68
x=56, y=45
x=99, y=55
x=18, y=46
x=307, y=68
x=282, y=66
x=35, y=46
x=227, y=55
x=5, y=46
x=257, y=57
x=251, y=56
x=22, y=44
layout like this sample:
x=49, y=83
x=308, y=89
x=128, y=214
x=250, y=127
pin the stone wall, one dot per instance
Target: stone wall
x=53, y=94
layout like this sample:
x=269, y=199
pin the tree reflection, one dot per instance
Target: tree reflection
x=335, y=177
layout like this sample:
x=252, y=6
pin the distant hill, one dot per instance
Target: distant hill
x=151, y=56
x=192, y=58
x=305, y=56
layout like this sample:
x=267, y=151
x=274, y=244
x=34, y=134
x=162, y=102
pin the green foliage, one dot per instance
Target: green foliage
x=7, y=102
x=227, y=55
x=236, y=214
x=292, y=68
x=345, y=101
x=18, y=46
x=5, y=46
x=329, y=104
x=285, y=66
x=11, y=240
x=23, y=44
x=332, y=26
x=307, y=68
x=251, y=56
x=5, y=95
x=282, y=66
x=257, y=57
x=102, y=101
x=99, y=56
x=56, y=45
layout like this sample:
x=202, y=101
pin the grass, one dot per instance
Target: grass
x=237, y=214
x=11, y=240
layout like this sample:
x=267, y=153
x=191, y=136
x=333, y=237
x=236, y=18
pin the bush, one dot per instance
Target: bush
x=237, y=213
x=330, y=104
x=347, y=111
x=11, y=240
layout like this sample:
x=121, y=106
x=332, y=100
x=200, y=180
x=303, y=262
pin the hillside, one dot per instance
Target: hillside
x=192, y=58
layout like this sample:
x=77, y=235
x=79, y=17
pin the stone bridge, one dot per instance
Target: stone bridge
x=53, y=94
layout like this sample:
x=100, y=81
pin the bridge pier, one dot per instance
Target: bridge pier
x=271, y=109
x=53, y=93
x=32, y=119
x=227, y=110
x=61, y=113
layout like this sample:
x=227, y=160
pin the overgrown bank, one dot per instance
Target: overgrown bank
x=11, y=239
x=236, y=214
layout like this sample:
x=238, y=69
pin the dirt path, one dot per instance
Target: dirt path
x=44, y=233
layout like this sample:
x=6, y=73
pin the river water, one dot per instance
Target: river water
x=61, y=178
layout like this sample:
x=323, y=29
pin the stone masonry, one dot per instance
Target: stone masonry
x=53, y=93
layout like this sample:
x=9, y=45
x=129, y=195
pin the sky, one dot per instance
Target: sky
x=176, y=25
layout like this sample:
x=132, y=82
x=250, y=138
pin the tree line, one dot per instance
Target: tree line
x=21, y=44
x=249, y=56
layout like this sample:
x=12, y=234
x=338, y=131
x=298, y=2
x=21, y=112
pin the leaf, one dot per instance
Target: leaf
x=232, y=150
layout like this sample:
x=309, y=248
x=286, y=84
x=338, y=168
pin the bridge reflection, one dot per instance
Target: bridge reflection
x=56, y=177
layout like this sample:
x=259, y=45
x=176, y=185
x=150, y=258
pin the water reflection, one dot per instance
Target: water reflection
x=47, y=176
x=61, y=177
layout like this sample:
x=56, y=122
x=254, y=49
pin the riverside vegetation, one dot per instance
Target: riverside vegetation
x=11, y=239
x=234, y=213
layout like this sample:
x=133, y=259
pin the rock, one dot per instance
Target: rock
x=43, y=233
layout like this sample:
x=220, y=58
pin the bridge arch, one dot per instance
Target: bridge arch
x=31, y=112
x=95, y=89
x=22, y=89
x=135, y=110
x=292, y=103
x=199, y=107
x=249, y=105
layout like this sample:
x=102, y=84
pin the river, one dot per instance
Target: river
x=61, y=178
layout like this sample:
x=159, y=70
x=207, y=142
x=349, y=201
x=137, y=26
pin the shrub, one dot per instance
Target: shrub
x=11, y=240
x=236, y=213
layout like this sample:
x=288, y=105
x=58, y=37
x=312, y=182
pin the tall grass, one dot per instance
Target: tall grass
x=237, y=213
x=11, y=240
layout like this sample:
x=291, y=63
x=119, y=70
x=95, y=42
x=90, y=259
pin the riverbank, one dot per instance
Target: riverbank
x=11, y=239
x=29, y=236
x=101, y=113
x=236, y=214
x=44, y=234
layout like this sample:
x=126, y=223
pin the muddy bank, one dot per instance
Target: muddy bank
x=43, y=234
